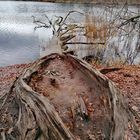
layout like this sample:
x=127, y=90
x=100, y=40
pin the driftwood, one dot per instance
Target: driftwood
x=63, y=98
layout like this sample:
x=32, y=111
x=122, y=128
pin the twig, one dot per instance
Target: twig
x=86, y=43
x=40, y=24
x=72, y=28
x=83, y=107
x=70, y=12
x=132, y=19
x=67, y=38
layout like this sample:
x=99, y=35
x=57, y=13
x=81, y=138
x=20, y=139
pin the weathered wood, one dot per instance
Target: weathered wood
x=37, y=109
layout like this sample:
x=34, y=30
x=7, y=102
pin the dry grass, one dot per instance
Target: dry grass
x=95, y=29
x=95, y=1
x=96, y=63
x=117, y=63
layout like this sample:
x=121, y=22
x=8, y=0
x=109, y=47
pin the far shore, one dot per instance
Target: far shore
x=96, y=2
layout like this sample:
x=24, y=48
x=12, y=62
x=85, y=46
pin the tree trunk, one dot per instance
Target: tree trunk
x=63, y=98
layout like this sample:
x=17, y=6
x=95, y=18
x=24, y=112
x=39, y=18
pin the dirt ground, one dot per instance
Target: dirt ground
x=8, y=75
x=126, y=78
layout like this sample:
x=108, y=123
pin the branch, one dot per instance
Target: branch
x=132, y=19
x=50, y=22
x=87, y=43
x=59, y=20
x=71, y=28
x=67, y=38
x=63, y=20
x=40, y=24
x=70, y=12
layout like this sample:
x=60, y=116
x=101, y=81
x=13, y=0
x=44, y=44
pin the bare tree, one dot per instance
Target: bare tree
x=123, y=43
x=64, y=32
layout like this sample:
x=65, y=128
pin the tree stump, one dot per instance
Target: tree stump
x=63, y=98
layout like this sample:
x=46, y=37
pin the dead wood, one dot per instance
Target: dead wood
x=107, y=70
x=63, y=98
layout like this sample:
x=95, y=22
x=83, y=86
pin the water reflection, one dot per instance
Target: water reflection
x=19, y=43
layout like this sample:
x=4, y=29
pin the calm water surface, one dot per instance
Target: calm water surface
x=19, y=43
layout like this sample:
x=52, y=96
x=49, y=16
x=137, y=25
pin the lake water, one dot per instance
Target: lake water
x=19, y=43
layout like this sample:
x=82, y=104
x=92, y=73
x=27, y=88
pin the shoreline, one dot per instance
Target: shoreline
x=82, y=2
x=91, y=2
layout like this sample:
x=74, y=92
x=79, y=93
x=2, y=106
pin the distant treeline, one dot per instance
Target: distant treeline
x=130, y=2
x=98, y=1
